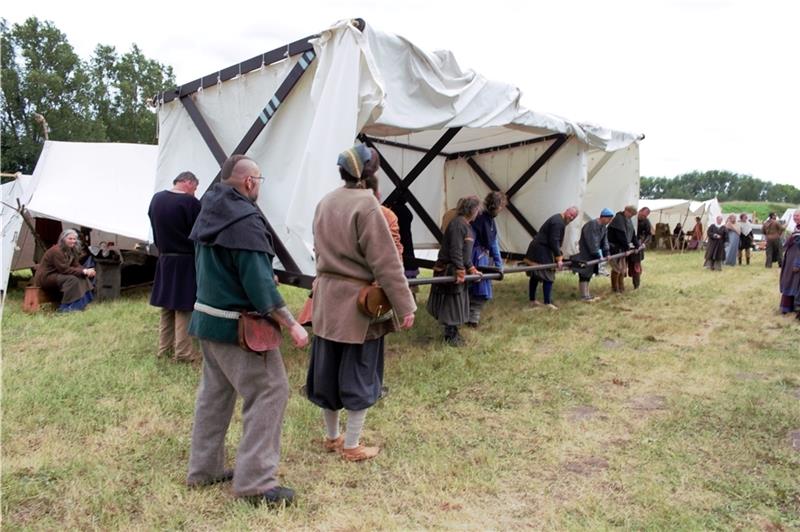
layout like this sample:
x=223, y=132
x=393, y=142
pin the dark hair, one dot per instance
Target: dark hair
x=371, y=183
x=466, y=206
x=345, y=175
x=494, y=202
x=229, y=164
x=185, y=176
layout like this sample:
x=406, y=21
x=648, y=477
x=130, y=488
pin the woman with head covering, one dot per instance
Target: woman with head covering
x=449, y=303
x=354, y=249
x=715, y=249
x=60, y=270
x=790, y=270
x=485, y=252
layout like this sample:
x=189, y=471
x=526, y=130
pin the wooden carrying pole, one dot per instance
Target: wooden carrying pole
x=446, y=279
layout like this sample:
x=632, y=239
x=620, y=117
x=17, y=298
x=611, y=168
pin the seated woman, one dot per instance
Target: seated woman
x=60, y=270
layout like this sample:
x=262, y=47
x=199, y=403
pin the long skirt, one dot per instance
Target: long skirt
x=449, y=304
x=732, y=248
x=345, y=375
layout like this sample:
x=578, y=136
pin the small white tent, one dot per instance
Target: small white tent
x=679, y=211
x=105, y=186
x=442, y=132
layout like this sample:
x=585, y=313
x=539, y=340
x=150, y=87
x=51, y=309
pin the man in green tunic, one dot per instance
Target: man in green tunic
x=233, y=259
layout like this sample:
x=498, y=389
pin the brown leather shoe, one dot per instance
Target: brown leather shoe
x=333, y=445
x=360, y=453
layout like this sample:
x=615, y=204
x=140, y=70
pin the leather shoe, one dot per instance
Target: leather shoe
x=224, y=477
x=333, y=445
x=360, y=453
x=275, y=497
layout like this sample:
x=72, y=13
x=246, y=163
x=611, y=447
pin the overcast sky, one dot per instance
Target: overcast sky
x=713, y=84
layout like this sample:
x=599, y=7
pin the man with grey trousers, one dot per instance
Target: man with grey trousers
x=233, y=260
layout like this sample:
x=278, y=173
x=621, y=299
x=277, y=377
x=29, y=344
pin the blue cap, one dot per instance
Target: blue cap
x=354, y=159
x=606, y=213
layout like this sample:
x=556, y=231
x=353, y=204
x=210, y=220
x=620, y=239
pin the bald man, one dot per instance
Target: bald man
x=545, y=248
x=233, y=259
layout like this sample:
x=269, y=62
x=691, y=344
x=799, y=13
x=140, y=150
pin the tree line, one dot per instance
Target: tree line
x=724, y=185
x=46, y=84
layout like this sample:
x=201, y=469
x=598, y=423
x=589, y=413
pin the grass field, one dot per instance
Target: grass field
x=673, y=407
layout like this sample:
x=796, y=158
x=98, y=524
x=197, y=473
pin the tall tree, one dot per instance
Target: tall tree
x=47, y=77
x=102, y=99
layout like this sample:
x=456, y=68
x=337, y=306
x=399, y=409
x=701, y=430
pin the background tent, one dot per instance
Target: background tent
x=443, y=132
x=15, y=193
x=105, y=186
x=674, y=211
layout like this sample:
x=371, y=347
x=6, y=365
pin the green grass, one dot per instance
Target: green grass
x=761, y=209
x=667, y=408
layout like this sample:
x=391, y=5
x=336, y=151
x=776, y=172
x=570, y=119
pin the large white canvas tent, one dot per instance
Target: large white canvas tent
x=442, y=132
x=680, y=211
x=105, y=186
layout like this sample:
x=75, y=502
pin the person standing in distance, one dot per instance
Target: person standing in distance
x=172, y=214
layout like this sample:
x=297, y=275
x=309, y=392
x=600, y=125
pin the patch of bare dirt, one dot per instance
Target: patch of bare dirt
x=586, y=466
x=610, y=343
x=649, y=403
x=582, y=413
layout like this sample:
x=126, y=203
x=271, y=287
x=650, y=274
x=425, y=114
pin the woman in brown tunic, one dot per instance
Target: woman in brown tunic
x=59, y=270
x=353, y=248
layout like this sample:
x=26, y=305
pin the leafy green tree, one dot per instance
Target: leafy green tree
x=41, y=74
x=102, y=99
x=720, y=184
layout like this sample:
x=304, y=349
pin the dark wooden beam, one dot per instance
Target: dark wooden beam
x=423, y=163
x=267, y=58
x=205, y=131
x=516, y=213
x=473, y=153
x=541, y=161
x=407, y=196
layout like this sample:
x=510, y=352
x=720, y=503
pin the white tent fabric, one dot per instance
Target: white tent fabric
x=106, y=186
x=382, y=85
x=15, y=193
x=788, y=219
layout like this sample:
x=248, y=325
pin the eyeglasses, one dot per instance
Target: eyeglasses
x=259, y=177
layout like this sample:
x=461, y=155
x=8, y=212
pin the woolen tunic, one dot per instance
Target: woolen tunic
x=546, y=246
x=172, y=215
x=449, y=303
x=233, y=259
x=715, y=251
x=353, y=248
x=592, y=245
x=60, y=270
